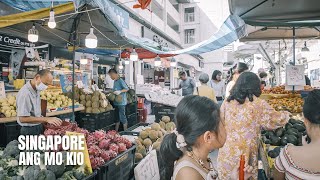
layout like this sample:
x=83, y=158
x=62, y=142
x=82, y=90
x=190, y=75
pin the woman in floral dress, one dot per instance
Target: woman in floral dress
x=244, y=114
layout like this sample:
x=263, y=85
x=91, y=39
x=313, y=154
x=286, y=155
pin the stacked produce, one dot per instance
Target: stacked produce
x=8, y=106
x=94, y=102
x=292, y=133
x=102, y=146
x=105, y=146
x=291, y=104
x=131, y=97
x=152, y=137
x=56, y=99
x=10, y=169
x=277, y=90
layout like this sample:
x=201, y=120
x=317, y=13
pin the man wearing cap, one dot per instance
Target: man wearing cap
x=29, y=105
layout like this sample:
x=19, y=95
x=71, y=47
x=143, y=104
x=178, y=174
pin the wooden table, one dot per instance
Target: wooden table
x=56, y=113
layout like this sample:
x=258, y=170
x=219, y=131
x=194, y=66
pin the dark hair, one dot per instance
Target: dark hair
x=43, y=72
x=193, y=117
x=112, y=71
x=240, y=67
x=307, y=80
x=311, y=107
x=247, y=85
x=263, y=74
x=182, y=73
x=214, y=74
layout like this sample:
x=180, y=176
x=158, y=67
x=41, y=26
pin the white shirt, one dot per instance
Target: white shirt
x=229, y=87
x=219, y=88
x=108, y=82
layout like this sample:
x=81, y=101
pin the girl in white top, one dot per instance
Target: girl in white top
x=184, y=152
x=303, y=162
x=218, y=85
x=234, y=74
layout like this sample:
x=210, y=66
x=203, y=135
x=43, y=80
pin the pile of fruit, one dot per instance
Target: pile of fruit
x=11, y=170
x=131, y=97
x=8, y=107
x=277, y=90
x=292, y=133
x=94, y=102
x=56, y=99
x=152, y=137
x=291, y=104
x=102, y=146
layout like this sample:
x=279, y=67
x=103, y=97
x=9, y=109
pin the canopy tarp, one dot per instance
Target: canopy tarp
x=25, y=5
x=283, y=13
x=33, y=15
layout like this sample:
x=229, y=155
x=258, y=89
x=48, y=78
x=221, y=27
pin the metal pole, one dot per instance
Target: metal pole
x=294, y=46
x=294, y=49
x=73, y=72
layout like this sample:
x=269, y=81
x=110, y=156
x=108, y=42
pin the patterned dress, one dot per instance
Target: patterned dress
x=243, y=123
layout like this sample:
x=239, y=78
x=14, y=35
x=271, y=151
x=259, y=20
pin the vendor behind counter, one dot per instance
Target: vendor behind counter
x=29, y=105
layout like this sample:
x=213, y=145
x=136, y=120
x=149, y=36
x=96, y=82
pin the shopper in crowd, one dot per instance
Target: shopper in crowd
x=218, y=85
x=263, y=78
x=184, y=152
x=234, y=74
x=302, y=162
x=29, y=105
x=244, y=114
x=119, y=88
x=204, y=89
x=187, y=84
x=308, y=82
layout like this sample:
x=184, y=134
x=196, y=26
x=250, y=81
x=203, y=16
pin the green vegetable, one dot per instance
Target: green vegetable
x=68, y=176
x=10, y=151
x=279, y=132
x=31, y=173
x=46, y=175
x=58, y=170
x=299, y=127
x=79, y=173
x=17, y=178
x=288, y=126
x=293, y=121
x=292, y=139
x=275, y=140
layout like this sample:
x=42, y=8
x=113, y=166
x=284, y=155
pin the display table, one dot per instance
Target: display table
x=49, y=114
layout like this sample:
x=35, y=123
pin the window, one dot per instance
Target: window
x=189, y=36
x=189, y=14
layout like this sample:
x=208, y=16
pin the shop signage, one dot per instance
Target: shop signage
x=2, y=90
x=148, y=168
x=66, y=81
x=164, y=44
x=15, y=41
x=295, y=75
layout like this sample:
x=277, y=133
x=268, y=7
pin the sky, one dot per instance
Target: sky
x=217, y=10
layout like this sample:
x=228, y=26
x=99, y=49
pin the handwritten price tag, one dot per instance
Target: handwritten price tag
x=295, y=75
x=148, y=168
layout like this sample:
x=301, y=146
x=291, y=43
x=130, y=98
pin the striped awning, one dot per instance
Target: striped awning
x=232, y=29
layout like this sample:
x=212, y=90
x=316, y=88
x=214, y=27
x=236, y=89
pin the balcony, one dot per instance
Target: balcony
x=173, y=34
x=173, y=12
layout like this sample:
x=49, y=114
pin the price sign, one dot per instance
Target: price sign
x=148, y=168
x=2, y=90
x=66, y=81
x=295, y=75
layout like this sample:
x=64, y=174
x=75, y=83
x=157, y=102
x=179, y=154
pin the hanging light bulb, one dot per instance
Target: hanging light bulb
x=134, y=55
x=91, y=40
x=120, y=64
x=52, y=23
x=83, y=60
x=33, y=34
x=126, y=61
x=305, y=48
x=157, y=61
x=173, y=62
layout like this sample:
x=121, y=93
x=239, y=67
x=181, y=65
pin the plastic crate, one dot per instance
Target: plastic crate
x=131, y=108
x=120, y=168
x=8, y=132
x=92, y=176
x=92, y=122
x=132, y=119
x=162, y=110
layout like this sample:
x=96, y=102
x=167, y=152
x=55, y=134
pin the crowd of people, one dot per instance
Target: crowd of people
x=228, y=117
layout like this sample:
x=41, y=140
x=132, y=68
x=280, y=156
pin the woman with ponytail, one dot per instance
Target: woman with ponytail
x=184, y=152
x=244, y=114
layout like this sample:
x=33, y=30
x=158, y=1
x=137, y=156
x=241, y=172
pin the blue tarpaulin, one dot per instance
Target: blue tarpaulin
x=232, y=29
